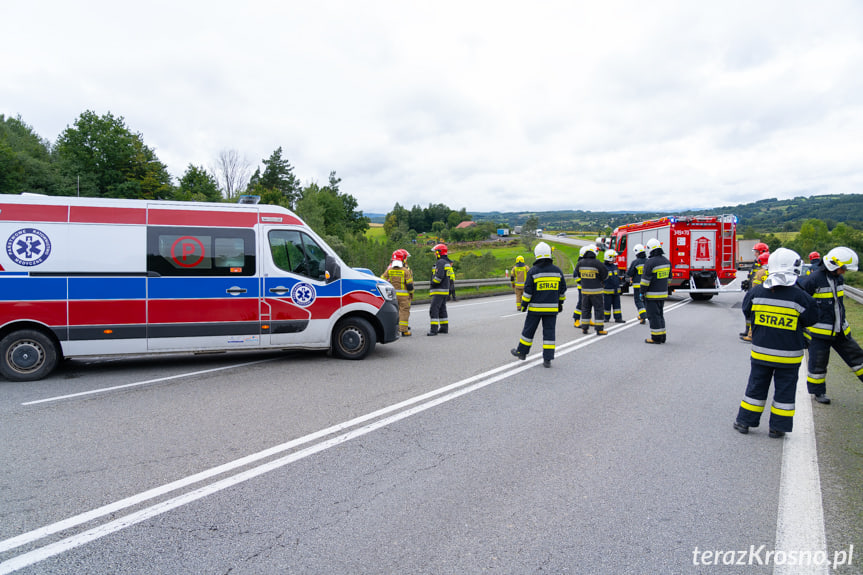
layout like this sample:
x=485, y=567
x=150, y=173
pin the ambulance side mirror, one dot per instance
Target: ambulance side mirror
x=334, y=272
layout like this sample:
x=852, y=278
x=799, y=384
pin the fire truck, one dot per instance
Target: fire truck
x=702, y=250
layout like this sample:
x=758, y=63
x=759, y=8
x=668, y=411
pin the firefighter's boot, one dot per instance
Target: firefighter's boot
x=601, y=332
x=520, y=355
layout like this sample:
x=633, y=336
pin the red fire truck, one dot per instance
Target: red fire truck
x=702, y=250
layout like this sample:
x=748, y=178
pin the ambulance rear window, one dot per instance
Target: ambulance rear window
x=200, y=251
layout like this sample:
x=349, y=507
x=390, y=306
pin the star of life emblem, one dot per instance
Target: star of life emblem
x=28, y=247
x=303, y=294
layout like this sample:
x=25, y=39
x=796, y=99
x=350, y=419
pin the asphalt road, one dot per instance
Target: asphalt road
x=433, y=455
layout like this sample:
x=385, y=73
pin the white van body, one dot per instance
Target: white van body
x=94, y=276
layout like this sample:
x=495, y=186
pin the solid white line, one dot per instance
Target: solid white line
x=140, y=383
x=42, y=532
x=800, y=521
x=478, y=381
x=74, y=541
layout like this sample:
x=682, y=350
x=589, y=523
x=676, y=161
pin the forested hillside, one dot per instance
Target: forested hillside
x=768, y=215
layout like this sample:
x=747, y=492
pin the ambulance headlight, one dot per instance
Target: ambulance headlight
x=387, y=291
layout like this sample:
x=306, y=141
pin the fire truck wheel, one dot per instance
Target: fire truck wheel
x=701, y=296
x=353, y=338
x=27, y=355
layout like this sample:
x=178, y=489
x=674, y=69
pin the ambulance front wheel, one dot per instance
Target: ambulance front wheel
x=353, y=338
x=27, y=355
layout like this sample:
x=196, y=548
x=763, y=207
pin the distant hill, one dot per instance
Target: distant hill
x=768, y=215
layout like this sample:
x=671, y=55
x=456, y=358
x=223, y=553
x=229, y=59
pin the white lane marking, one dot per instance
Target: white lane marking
x=140, y=383
x=800, y=520
x=53, y=549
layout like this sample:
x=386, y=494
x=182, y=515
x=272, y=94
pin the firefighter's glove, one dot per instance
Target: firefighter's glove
x=523, y=307
x=745, y=285
x=560, y=307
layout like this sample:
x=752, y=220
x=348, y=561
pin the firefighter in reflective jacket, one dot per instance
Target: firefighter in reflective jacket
x=780, y=311
x=654, y=286
x=592, y=274
x=611, y=288
x=576, y=313
x=634, y=275
x=756, y=277
x=400, y=276
x=516, y=278
x=544, y=293
x=439, y=291
x=826, y=285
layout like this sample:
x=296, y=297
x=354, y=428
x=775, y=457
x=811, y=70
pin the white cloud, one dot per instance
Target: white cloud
x=485, y=105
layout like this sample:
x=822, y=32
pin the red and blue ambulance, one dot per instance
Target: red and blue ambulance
x=97, y=276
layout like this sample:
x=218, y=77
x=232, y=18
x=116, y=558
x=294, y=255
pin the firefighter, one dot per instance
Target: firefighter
x=516, y=278
x=781, y=311
x=634, y=275
x=814, y=259
x=611, y=288
x=451, y=274
x=831, y=330
x=400, y=276
x=592, y=274
x=757, y=275
x=654, y=286
x=576, y=314
x=544, y=293
x=439, y=291
x=814, y=262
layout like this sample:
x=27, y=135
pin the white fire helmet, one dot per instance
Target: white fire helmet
x=585, y=249
x=784, y=260
x=638, y=249
x=542, y=251
x=610, y=255
x=652, y=244
x=841, y=257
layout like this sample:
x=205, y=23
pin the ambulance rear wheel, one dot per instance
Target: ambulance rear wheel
x=353, y=338
x=27, y=355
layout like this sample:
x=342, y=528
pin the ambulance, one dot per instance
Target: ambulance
x=98, y=277
x=701, y=249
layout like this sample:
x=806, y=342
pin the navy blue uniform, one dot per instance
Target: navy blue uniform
x=831, y=329
x=654, y=287
x=611, y=293
x=592, y=274
x=544, y=293
x=439, y=291
x=779, y=316
x=634, y=273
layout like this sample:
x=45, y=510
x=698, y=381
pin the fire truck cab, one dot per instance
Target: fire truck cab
x=701, y=249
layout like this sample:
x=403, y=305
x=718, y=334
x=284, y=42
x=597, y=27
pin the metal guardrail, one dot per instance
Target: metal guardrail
x=468, y=283
x=854, y=293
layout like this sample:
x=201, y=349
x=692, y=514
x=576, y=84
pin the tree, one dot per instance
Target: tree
x=329, y=212
x=528, y=231
x=197, y=184
x=279, y=175
x=26, y=164
x=232, y=173
x=99, y=156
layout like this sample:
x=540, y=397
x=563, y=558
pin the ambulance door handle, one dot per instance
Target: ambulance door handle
x=236, y=290
x=279, y=290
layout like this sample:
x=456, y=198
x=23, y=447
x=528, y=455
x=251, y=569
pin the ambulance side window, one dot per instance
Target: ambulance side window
x=297, y=253
x=175, y=251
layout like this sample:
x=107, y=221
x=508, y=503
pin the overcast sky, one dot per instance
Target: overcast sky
x=493, y=105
